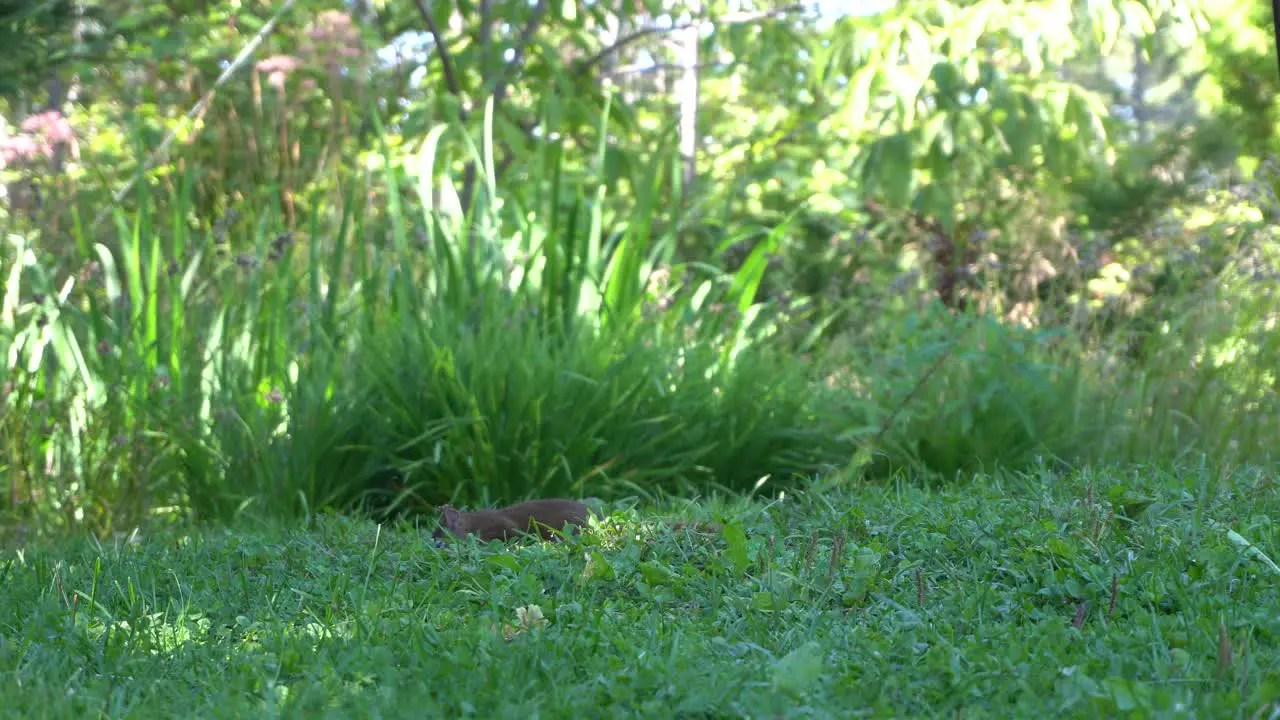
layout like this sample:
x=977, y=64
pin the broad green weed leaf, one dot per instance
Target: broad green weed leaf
x=656, y=574
x=597, y=568
x=503, y=560
x=736, y=540
x=799, y=669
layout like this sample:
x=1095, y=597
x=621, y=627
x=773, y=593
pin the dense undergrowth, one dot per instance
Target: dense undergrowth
x=396, y=356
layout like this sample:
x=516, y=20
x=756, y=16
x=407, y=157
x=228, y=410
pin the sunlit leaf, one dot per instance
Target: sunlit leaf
x=859, y=97
x=1106, y=23
x=938, y=129
x=920, y=55
x=1056, y=99
x=1137, y=17
x=964, y=36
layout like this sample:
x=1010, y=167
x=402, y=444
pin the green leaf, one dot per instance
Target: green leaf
x=736, y=541
x=906, y=84
x=1138, y=17
x=937, y=129
x=766, y=601
x=1031, y=53
x=893, y=172
x=1057, y=98
x=597, y=568
x=1061, y=548
x=971, y=69
x=504, y=561
x=920, y=53
x=746, y=282
x=617, y=164
x=1106, y=24
x=950, y=82
x=859, y=97
x=939, y=201
x=964, y=36
x=799, y=669
x=655, y=574
x=1087, y=112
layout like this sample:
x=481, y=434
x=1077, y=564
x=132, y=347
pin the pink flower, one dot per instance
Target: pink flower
x=51, y=126
x=334, y=24
x=277, y=68
x=22, y=147
x=41, y=134
x=335, y=31
x=283, y=64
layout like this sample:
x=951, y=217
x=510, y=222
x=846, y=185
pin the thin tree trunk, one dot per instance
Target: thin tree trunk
x=687, y=94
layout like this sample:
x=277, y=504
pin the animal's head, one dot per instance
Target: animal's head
x=450, y=522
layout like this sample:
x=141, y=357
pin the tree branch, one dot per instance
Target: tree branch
x=738, y=18
x=501, y=84
x=446, y=60
x=639, y=69
x=486, y=33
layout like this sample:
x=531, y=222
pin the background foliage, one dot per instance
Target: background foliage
x=278, y=257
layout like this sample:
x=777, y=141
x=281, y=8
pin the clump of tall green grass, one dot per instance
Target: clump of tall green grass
x=516, y=351
x=593, y=364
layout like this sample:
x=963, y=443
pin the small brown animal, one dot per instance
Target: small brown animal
x=546, y=517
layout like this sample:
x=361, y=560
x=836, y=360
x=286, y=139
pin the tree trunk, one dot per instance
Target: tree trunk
x=687, y=94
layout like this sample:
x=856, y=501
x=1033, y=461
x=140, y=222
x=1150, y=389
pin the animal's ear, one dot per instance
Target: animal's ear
x=451, y=519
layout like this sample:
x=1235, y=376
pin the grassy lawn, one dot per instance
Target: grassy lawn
x=964, y=602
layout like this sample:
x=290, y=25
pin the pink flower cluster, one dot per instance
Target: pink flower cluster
x=277, y=68
x=41, y=135
x=332, y=38
x=333, y=32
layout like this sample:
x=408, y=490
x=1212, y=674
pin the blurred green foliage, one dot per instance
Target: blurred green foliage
x=460, y=250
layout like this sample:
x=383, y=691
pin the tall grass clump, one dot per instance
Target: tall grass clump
x=1193, y=370
x=189, y=371
x=592, y=364
x=152, y=379
x=1207, y=384
x=958, y=394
